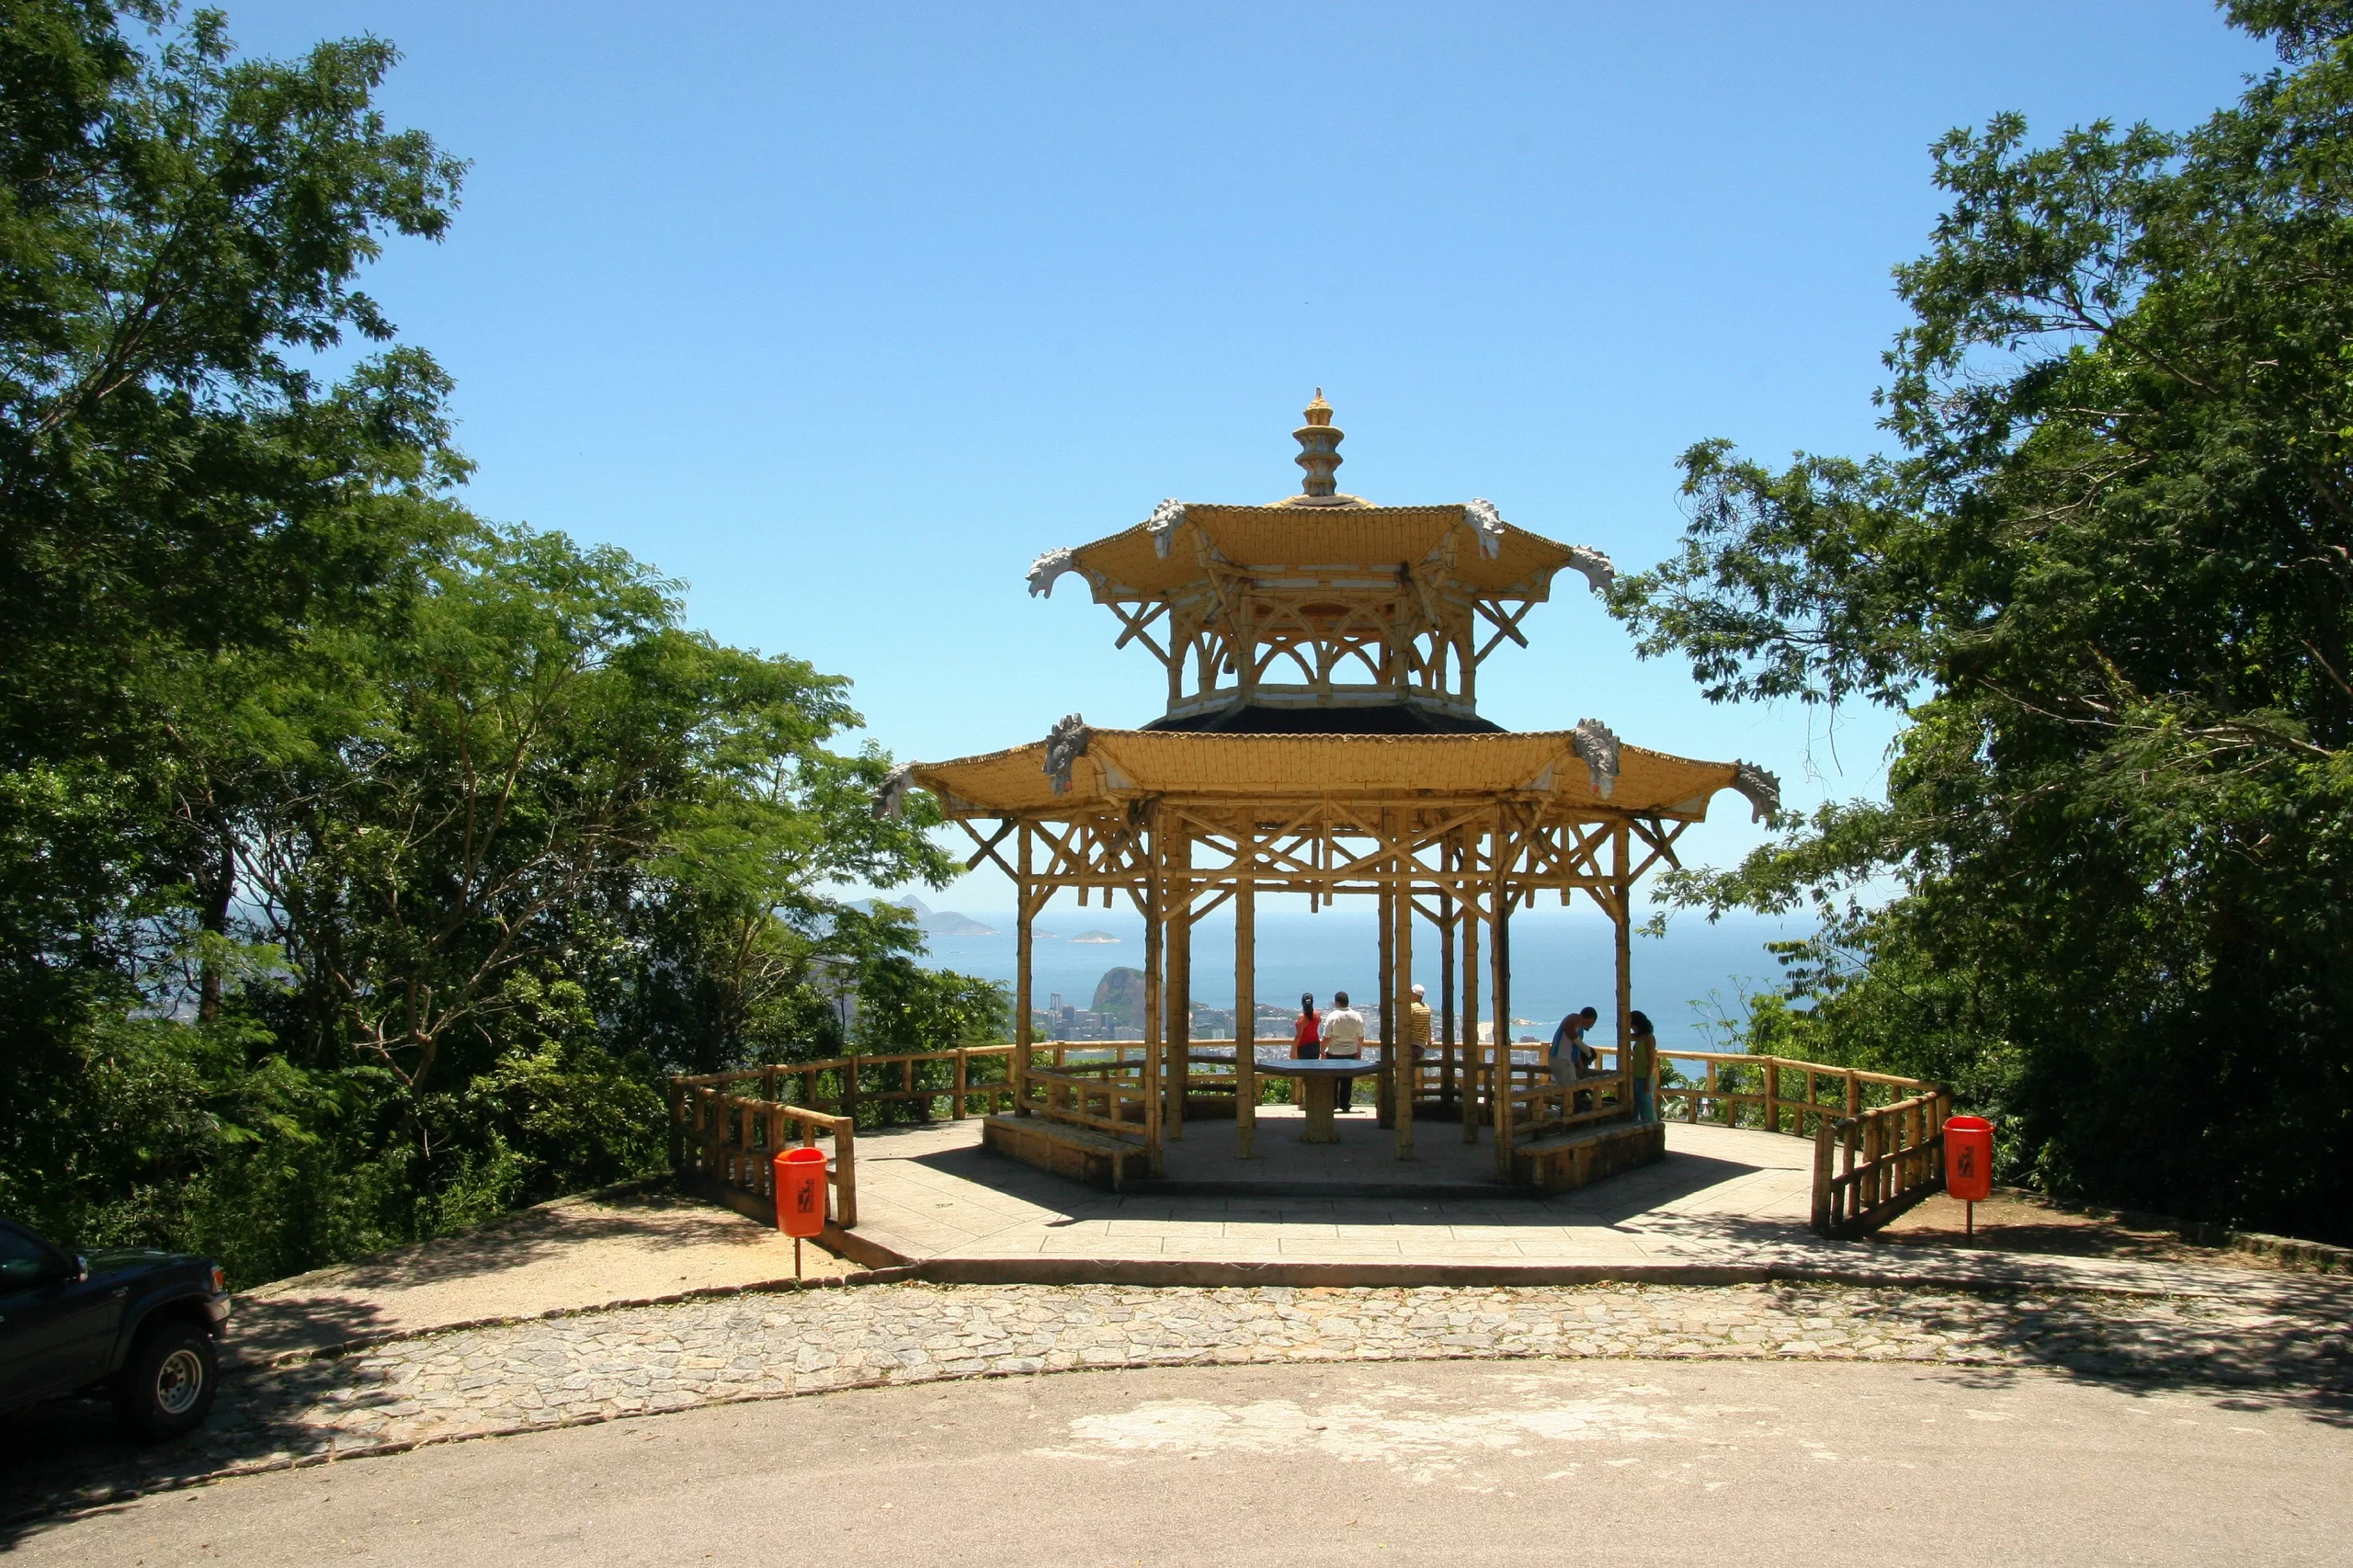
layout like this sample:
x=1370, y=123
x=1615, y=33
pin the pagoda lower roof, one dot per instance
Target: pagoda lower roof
x=1120, y=765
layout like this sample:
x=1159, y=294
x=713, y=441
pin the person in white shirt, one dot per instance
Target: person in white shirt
x=1570, y=1058
x=1343, y=1036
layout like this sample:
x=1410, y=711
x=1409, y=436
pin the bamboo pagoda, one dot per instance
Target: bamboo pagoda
x=1322, y=736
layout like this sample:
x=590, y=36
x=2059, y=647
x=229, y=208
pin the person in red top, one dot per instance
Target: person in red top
x=1307, y=1041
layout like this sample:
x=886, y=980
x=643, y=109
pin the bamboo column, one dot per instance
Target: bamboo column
x=1177, y=986
x=1499, y=917
x=1406, y=1074
x=1385, y=1094
x=1245, y=998
x=1155, y=911
x=1022, y=993
x=1471, y=1053
x=1622, y=908
x=1449, y=858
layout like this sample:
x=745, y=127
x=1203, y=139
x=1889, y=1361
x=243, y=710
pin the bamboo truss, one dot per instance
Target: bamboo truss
x=1361, y=605
x=1456, y=868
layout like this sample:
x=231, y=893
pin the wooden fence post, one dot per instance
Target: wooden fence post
x=845, y=1174
x=678, y=1127
x=1824, y=1132
x=1506, y=1122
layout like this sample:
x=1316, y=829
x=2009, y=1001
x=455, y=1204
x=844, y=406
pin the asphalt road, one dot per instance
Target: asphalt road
x=1709, y=1462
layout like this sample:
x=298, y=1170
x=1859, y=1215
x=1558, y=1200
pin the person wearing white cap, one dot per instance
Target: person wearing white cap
x=1417, y=1029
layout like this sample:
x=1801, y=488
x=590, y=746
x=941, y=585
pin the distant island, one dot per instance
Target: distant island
x=1046, y=936
x=1095, y=937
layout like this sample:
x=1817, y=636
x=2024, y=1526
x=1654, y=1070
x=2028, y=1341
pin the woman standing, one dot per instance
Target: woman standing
x=1307, y=1039
x=1642, y=1061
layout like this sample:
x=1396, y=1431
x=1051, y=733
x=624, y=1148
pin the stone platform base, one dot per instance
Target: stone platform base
x=1079, y=1152
x=1588, y=1155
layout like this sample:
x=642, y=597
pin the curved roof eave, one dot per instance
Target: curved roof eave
x=1117, y=766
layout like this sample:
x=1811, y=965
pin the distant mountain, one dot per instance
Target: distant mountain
x=929, y=921
x=1120, y=994
x=1095, y=937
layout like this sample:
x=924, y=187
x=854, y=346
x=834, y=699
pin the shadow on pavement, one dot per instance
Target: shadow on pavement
x=337, y=1305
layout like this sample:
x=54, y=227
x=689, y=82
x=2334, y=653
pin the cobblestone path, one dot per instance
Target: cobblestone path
x=634, y=1361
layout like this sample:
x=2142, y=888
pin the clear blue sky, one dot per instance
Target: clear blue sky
x=843, y=313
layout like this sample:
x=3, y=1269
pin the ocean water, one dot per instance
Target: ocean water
x=1560, y=960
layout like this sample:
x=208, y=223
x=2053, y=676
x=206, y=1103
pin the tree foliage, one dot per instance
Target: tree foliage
x=2108, y=579
x=363, y=866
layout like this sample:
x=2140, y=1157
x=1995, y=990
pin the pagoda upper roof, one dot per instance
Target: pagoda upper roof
x=1320, y=537
x=1185, y=543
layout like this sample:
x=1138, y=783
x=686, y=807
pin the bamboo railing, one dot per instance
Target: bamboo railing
x=843, y=1085
x=1893, y=1156
x=1879, y=1138
x=726, y=1128
x=1872, y=1160
x=1116, y=1105
x=1544, y=1108
x=725, y=1146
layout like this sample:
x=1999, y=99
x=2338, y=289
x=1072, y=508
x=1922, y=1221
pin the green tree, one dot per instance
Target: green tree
x=362, y=867
x=180, y=233
x=2109, y=581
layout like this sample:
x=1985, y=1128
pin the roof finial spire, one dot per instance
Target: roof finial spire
x=1319, y=447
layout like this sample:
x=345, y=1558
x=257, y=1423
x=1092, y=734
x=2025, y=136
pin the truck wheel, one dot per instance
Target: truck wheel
x=167, y=1385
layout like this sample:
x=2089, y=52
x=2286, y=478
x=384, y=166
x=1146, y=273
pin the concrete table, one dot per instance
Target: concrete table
x=1319, y=1082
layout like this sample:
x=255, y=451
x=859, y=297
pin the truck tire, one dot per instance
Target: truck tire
x=167, y=1387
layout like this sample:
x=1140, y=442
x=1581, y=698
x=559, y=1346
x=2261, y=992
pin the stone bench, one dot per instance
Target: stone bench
x=1081, y=1153
x=1583, y=1155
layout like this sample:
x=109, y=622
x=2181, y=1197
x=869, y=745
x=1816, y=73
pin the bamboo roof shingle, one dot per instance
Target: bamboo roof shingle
x=1120, y=765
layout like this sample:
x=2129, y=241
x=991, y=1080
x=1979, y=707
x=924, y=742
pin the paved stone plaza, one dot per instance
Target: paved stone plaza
x=933, y=1192
x=2280, y=1340
x=1724, y=1203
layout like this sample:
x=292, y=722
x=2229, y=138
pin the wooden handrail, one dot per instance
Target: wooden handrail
x=1551, y=1106
x=726, y=1144
x=1892, y=1157
x=960, y=1094
x=1871, y=1161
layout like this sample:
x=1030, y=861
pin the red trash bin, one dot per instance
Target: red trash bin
x=1969, y=1158
x=801, y=1192
x=1969, y=1163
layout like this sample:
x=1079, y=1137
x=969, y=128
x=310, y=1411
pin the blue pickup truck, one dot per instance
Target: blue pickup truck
x=136, y=1324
